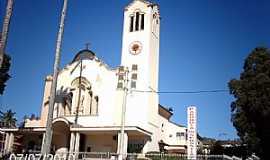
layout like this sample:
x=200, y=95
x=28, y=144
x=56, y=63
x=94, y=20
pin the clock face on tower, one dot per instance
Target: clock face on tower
x=135, y=47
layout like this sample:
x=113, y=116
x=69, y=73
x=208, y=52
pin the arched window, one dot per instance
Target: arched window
x=81, y=96
x=155, y=22
x=131, y=23
x=95, y=104
x=142, y=21
x=136, y=22
x=91, y=102
x=68, y=103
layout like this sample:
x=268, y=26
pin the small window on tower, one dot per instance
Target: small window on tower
x=154, y=16
x=121, y=69
x=134, y=76
x=182, y=134
x=142, y=21
x=137, y=21
x=131, y=23
x=121, y=77
x=120, y=85
x=134, y=67
x=133, y=84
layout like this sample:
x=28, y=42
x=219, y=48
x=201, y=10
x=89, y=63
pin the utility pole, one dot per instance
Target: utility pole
x=46, y=146
x=79, y=94
x=123, y=71
x=4, y=34
x=80, y=85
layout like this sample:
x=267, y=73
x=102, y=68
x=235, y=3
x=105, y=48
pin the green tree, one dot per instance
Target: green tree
x=216, y=148
x=251, y=107
x=22, y=123
x=8, y=119
x=4, y=76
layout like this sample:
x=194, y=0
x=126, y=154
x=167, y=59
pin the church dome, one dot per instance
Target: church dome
x=84, y=54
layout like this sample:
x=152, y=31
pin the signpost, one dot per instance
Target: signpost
x=192, y=133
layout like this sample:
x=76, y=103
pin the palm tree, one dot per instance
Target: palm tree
x=7, y=119
x=4, y=58
x=22, y=124
x=5, y=28
x=48, y=135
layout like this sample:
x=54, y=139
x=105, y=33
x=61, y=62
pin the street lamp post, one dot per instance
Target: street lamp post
x=123, y=71
x=79, y=94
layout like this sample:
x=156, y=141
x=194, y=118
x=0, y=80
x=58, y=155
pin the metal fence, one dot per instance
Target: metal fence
x=113, y=156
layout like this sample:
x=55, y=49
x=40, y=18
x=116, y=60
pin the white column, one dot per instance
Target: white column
x=125, y=143
x=77, y=142
x=71, y=142
x=11, y=142
x=124, y=146
x=139, y=21
x=61, y=110
x=43, y=139
x=6, y=142
x=145, y=147
x=77, y=145
x=134, y=22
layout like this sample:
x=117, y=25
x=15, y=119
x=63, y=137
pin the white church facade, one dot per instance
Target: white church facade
x=90, y=96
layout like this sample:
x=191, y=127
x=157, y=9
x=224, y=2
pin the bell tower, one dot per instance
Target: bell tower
x=140, y=44
x=140, y=53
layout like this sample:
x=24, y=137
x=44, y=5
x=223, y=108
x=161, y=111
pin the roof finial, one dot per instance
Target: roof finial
x=87, y=45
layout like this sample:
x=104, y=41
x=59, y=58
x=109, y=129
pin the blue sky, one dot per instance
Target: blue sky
x=203, y=46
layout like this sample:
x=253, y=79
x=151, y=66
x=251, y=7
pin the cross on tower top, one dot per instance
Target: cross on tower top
x=87, y=45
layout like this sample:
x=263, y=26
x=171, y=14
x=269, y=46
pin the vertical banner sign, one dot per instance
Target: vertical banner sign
x=192, y=132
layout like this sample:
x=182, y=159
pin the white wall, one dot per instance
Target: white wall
x=103, y=84
x=167, y=133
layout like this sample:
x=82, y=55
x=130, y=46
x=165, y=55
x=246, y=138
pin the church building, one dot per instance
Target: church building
x=90, y=97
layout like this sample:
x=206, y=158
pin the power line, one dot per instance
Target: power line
x=183, y=92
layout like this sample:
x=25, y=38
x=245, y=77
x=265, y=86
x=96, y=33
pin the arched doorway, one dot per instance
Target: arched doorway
x=61, y=135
